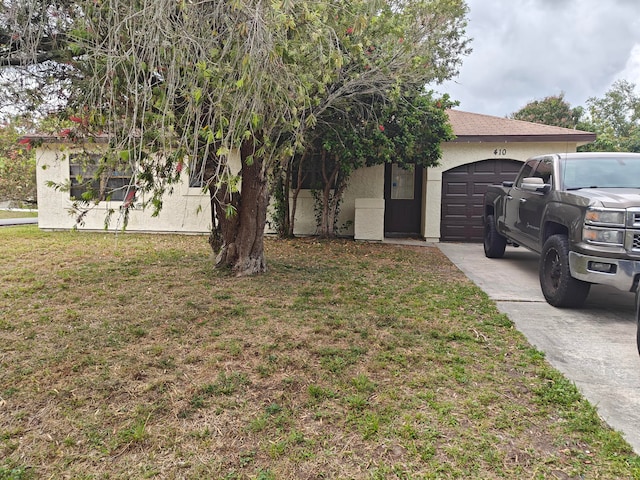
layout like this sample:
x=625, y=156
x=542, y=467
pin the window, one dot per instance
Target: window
x=602, y=172
x=312, y=178
x=525, y=172
x=196, y=175
x=544, y=170
x=402, y=183
x=91, y=178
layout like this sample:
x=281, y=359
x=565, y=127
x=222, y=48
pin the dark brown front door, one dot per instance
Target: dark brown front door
x=403, y=201
x=463, y=197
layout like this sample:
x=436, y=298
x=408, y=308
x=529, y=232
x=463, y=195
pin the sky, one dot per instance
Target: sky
x=526, y=50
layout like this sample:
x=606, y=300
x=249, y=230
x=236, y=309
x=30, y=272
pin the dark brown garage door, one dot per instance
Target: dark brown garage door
x=462, y=197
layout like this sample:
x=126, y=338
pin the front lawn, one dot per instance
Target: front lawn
x=129, y=356
x=18, y=214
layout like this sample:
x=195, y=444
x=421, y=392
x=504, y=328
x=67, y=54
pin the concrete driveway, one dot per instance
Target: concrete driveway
x=595, y=346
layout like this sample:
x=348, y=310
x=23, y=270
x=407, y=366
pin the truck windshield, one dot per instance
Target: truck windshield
x=601, y=172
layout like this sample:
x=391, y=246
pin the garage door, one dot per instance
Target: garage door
x=462, y=197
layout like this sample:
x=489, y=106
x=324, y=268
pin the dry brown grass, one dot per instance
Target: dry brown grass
x=131, y=357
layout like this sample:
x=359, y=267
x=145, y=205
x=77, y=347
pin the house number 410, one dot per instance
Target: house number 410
x=500, y=152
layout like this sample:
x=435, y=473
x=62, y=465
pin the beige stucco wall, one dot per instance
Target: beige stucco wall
x=456, y=154
x=187, y=210
x=365, y=183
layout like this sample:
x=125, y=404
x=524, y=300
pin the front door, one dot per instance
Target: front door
x=403, y=201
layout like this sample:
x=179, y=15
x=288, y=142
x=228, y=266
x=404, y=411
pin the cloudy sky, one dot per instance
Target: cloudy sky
x=525, y=50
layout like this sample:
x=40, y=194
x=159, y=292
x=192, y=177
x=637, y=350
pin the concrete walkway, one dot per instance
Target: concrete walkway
x=595, y=346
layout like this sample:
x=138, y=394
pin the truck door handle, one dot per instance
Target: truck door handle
x=523, y=200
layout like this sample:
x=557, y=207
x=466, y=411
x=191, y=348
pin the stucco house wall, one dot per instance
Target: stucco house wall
x=187, y=210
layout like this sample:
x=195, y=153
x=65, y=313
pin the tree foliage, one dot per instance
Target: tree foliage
x=17, y=167
x=408, y=130
x=553, y=110
x=615, y=118
x=36, y=64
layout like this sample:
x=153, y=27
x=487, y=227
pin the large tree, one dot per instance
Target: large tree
x=615, y=118
x=178, y=83
x=552, y=110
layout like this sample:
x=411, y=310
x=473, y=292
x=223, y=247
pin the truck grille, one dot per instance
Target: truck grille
x=633, y=217
x=636, y=241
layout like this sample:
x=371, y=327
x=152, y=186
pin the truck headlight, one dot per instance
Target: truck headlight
x=606, y=236
x=604, y=217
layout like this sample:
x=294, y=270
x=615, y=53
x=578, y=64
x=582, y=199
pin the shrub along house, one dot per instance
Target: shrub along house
x=442, y=203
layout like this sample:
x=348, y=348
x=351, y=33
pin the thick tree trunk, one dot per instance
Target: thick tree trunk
x=242, y=234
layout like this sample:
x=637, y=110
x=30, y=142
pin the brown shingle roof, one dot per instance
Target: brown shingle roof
x=475, y=127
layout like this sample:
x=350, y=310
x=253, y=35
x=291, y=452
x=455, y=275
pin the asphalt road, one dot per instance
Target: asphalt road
x=7, y=222
x=595, y=346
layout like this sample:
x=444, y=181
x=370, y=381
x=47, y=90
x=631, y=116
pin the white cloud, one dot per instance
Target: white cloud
x=530, y=49
x=631, y=71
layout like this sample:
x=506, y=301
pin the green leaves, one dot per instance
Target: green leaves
x=197, y=96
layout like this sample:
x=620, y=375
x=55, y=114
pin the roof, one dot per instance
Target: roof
x=475, y=127
x=467, y=127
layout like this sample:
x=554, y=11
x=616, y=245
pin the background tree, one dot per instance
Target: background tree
x=615, y=118
x=553, y=110
x=181, y=83
x=17, y=167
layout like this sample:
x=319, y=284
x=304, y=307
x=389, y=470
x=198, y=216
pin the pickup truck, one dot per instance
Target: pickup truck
x=580, y=212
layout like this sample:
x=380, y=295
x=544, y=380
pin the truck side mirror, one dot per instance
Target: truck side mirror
x=535, y=184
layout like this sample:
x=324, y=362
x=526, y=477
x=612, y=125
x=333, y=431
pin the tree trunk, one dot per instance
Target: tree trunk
x=296, y=192
x=242, y=234
x=329, y=192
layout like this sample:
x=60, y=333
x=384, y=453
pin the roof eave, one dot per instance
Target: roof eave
x=578, y=138
x=65, y=140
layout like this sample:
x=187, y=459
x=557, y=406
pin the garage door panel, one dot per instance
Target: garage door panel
x=463, y=190
x=480, y=188
x=488, y=167
x=456, y=211
x=456, y=189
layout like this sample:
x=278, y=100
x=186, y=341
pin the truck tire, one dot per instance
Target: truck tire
x=559, y=288
x=494, y=243
x=638, y=337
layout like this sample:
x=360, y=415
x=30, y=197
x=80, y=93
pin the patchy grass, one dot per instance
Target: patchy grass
x=131, y=357
x=18, y=214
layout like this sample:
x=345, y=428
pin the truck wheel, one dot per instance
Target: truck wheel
x=638, y=336
x=559, y=288
x=494, y=243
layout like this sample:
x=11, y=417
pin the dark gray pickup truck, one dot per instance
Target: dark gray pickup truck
x=580, y=212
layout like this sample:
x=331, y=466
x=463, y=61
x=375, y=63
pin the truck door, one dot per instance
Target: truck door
x=531, y=204
x=513, y=223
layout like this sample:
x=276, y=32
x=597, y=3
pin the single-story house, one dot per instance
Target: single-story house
x=442, y=203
